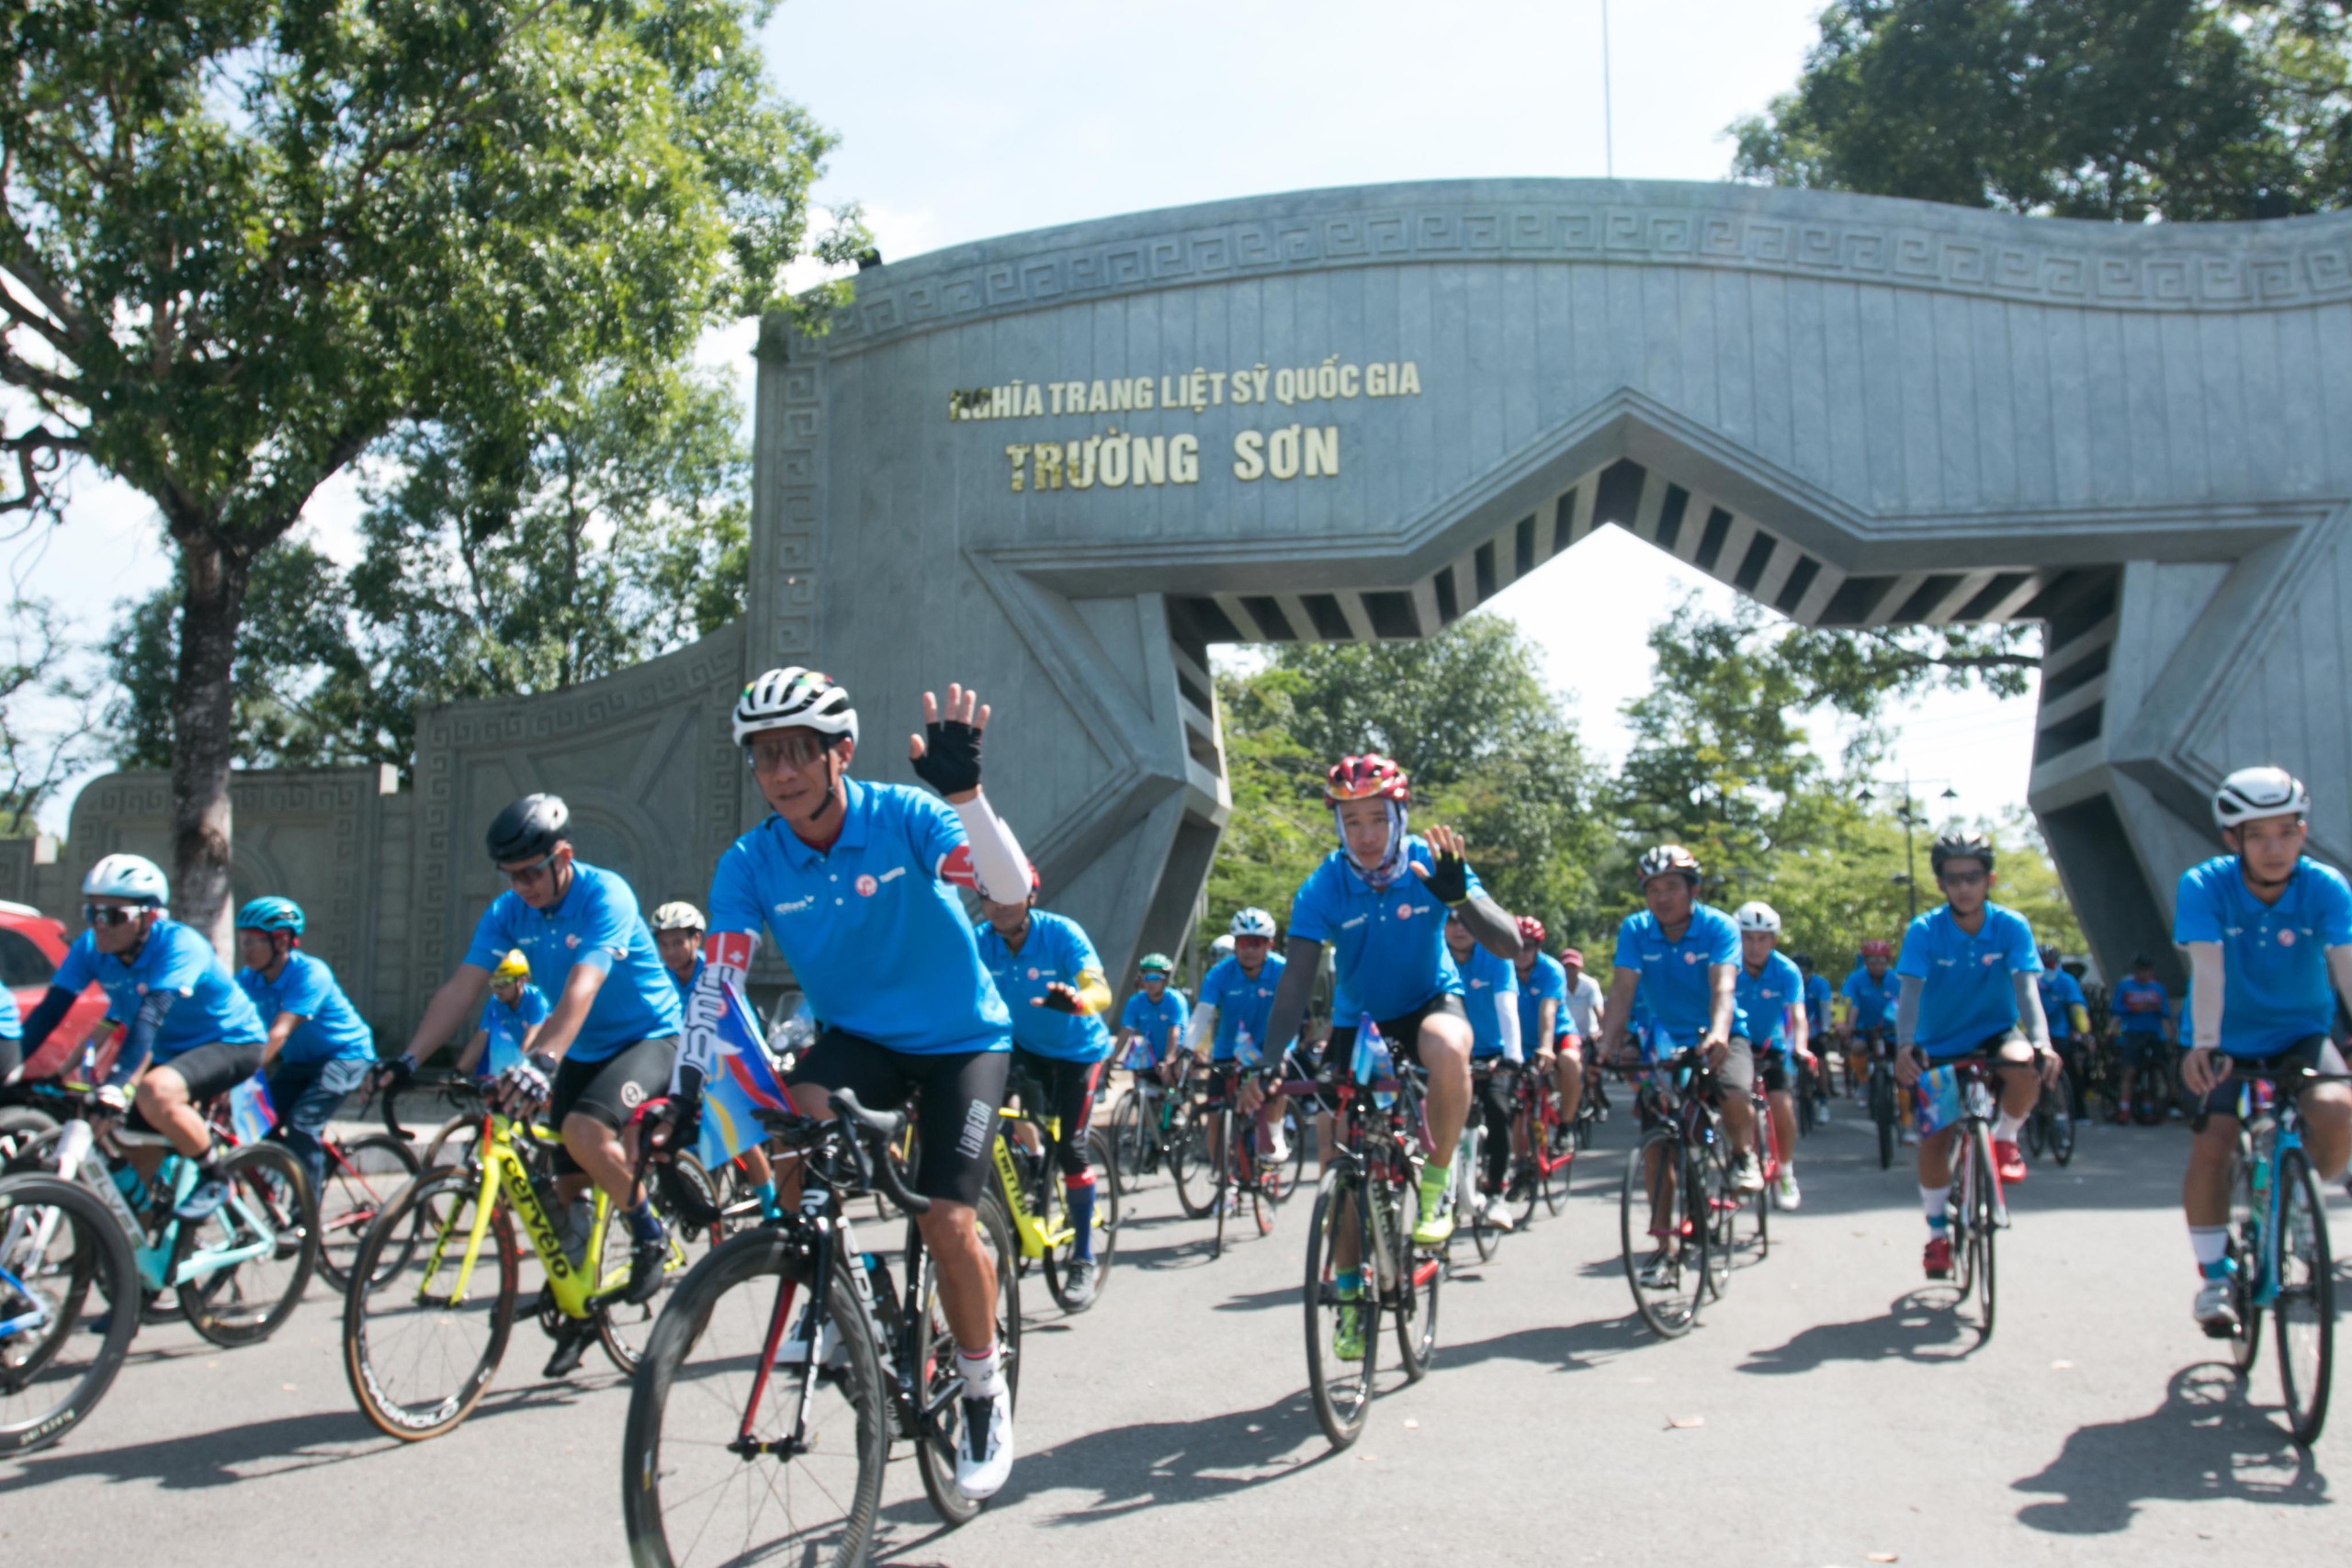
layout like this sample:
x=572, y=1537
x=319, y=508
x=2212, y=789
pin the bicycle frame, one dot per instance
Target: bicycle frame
x=1029, y=1227
x=2267, y=1129
x=506, y=1180
x=82, y=1156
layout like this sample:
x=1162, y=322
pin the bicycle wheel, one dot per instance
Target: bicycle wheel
x=270, y=1228
x=1192, y=1163
x=2034, y=1136
x=2061, y=1125
x=622, y=1329
x=453, y=1144
x=1127, y=1138
x=1977, y=1244
x=421, y=1343
x=2305, y=1306
x=61, y=1255
x=702, y=1477
x=943, y=1425
x=363, y=1176
x=2246, y=1266
x=20, y=1127
x=1264, y=1184
x=1882, y=1113
x=1415, y=1302
x=1106, y=1238
x=1341, y=1389
x=1675, y=1264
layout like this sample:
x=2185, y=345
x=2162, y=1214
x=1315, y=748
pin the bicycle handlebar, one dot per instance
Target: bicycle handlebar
x=448, y=1083
x=858, y=1124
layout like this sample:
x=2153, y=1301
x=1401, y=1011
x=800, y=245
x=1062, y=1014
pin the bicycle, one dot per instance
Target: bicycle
x=1667, y=1197
x=422, y=1311
x=363, y=1174
x=60, y=1248
x=1149, y=1121
x=2279, y=1250
x=1470, y=1198
x=1236, y=1176
x=1368, y=1196
x=1537, y=1167
x=2051, y=1129
x=1885, y=1104
x=235, y=1275
x=1974, y=1210
x=1035, y=1208
x=761, y=1433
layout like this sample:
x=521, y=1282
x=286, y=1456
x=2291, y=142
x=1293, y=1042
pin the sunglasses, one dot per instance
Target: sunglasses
x=799, y=749
x=109, y=914
x=519, y=874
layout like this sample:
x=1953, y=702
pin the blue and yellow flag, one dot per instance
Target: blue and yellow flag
x=740, y=1081
x=251, y=1116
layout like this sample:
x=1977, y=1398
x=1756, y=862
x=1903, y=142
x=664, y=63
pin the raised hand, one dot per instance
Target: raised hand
x=946, y=755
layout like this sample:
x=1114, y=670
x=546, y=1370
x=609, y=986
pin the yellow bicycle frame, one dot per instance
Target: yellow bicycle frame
x=505, y=1180
x=1037, y=1238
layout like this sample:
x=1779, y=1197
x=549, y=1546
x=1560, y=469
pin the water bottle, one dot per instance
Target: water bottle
x=127, y=1183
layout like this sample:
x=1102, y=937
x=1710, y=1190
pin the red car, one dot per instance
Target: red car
x=31, y=947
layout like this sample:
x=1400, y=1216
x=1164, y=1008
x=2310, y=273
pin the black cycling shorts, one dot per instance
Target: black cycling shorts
x=211, y=1071
x=1402, y=1032
x=2311, y=1054
x=1772, y=1068
x=1067, y=1089
x=12, y=1055
x=958, y=1094
x=609, y=1090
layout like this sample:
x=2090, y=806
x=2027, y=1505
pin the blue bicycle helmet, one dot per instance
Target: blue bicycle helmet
x=271, y=915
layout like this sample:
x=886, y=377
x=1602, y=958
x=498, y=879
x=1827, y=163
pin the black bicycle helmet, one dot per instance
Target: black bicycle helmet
x=529, y=828
x=1960, y=844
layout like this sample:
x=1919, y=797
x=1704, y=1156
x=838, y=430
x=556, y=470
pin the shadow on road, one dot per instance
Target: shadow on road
x=1919, y=1326
x=1564, y=1347
x=2205, y=1443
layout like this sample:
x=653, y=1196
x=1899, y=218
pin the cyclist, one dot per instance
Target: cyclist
x=1544, y=1027
x=2142, y=1040
x=1967, y=971
x=1229, y=1024
x=321, y=1046
x=1219, y=951
x=1151, y=1026
x=2069, y=1016
x=607, y=1048
x=1490, y=994
x=1818, y=1007
x=856, y=883
x=1045, y=969
x=1680, y=956
x=677, y=937
x=510, y=1020
x=1380, y=900
x=1871, y=990
x=1581, y=1012
x=1771, y=989
x=185, y=1021
x=2268, y=931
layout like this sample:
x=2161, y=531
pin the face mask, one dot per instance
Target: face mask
x=1392, y=860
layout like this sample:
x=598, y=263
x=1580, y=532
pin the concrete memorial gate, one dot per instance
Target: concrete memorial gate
x=1061, y=464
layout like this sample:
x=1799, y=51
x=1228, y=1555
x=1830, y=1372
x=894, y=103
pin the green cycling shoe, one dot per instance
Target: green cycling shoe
x=1436, y=1222
x=1347, y=1333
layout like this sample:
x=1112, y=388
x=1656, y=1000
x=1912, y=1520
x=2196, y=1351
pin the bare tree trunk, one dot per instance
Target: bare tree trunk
x=204, y=740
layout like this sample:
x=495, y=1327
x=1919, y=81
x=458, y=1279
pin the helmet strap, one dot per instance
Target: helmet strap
x=1392, y=858
x=833, y=781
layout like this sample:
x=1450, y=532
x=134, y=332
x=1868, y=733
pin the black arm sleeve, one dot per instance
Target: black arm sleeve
x=1302, y=960
x=139, y=1040
x=46, y=1016
x=1494, y=928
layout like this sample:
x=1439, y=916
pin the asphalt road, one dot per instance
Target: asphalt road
x=1826, y=1411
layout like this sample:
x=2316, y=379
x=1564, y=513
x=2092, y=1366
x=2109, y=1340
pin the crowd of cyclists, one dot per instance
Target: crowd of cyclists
x=572, y=1007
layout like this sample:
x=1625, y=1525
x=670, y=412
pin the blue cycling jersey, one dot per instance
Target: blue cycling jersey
x=12, y=1023
x=872, y=927
x=1151, y=1022
x=2274, y=988
x=2141, y=1006
x=506, y=1026
x=1387, y=944
x=1817, y=1003
x=1545, y=978
x=1765, y=1000
x=2060, y=992
x=331, y=1030
x=1485, y=977
x=1873, y=999
x=1675, y=990
x=1242, y=1003
x=1965, y=995
x=1055, y=950
x=211, y=1008
x=596, y=924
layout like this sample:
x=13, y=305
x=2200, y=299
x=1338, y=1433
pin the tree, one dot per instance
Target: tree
x=243, y=240
x=2117, y=110
x=40, y=752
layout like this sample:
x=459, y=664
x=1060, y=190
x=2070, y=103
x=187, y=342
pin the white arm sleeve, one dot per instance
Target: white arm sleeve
x=2029, y=1015
x=1204, y=1028
x=2205, y=979
x=727, y=955
x=1906, y=1011
x=1507, y=1012
x=998, y=864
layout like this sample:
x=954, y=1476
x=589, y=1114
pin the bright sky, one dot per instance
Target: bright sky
x=958, y=122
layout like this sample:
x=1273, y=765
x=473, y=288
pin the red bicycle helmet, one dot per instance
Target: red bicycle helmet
x=1878, y=947
x=1531, y=930
x=1369, y=777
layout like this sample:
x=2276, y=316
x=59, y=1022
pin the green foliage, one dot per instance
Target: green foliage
x=2117, y=110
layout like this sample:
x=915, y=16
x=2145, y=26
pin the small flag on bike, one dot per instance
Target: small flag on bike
x=251, y=1115
x=741, y=1081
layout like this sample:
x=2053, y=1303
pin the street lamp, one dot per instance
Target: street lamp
x=1908, y=812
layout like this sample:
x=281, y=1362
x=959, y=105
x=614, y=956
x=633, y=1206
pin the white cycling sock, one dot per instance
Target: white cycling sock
x=2209, y=1242
x=983, y=1373
x=2006, y=1127
x=1933, y=1199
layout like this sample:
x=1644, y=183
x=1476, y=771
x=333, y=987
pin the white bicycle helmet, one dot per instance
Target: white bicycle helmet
x=1758, y=916
x=679, y=915
x=133, y=877
x=794, y=698
x=1253, y=923
x=1220, y=950
x=2259, y=792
